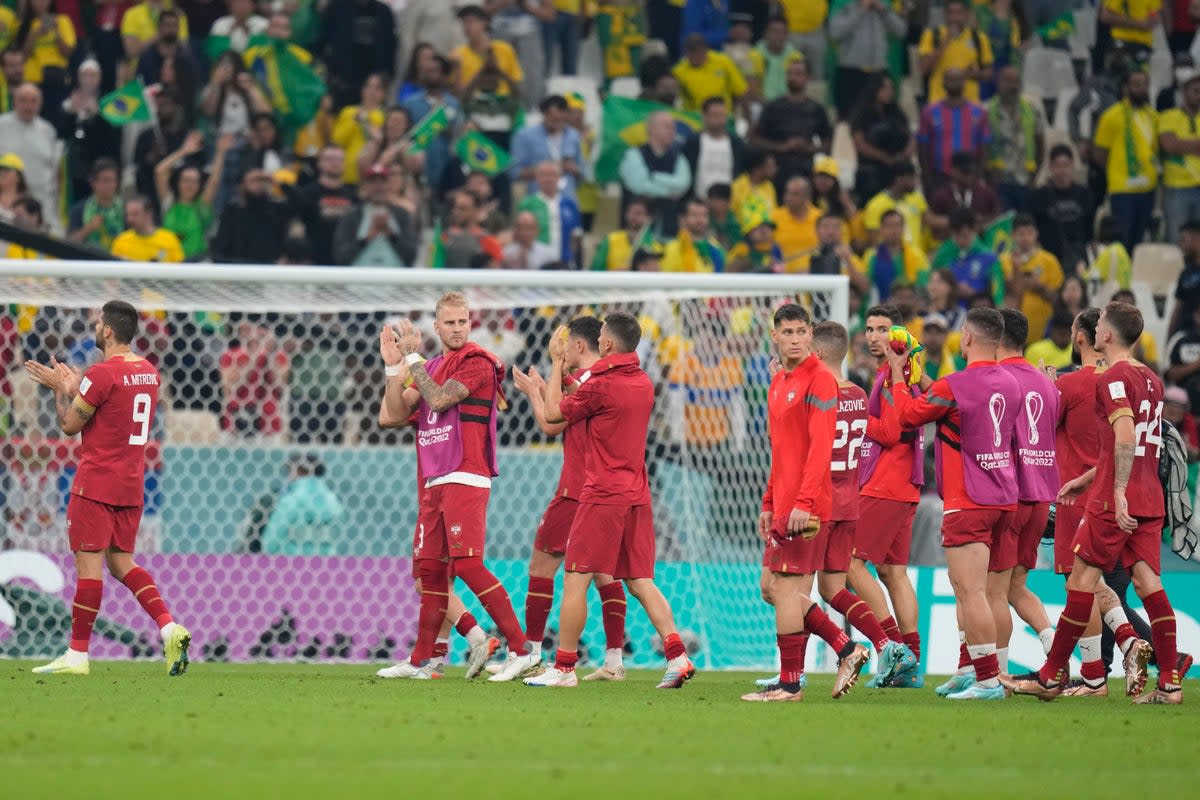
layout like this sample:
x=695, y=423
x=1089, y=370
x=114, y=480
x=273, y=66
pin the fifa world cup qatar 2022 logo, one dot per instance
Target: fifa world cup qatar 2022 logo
x=1034, y=405
x=996, y=409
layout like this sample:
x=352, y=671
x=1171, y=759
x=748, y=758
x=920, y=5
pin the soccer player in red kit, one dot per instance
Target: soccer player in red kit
x=891, y=473
x=1123, y=518
x=1015, y=553
x=613, y=531
x=798, y=502
x=112, y=406
x=550, y=544
x=976, y=414
x=830, y=343
x=453, y=401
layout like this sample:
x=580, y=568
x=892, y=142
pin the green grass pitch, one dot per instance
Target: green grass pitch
x=300, y=731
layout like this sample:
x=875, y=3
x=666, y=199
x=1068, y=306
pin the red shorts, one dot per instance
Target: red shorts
x=884, y=534
x=92, y=525
x=973, y=526
x=612, y=540
x=839, y=544
x=555, y=526
x=1066, y=522
x=1101, y=543
x=795, y=555
x=451, y=522
x=1006, y=545
x=1029, y=535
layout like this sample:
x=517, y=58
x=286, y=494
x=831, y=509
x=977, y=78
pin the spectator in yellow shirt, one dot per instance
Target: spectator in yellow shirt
x=1126, y=144
x=694, y=250
x=756, y=185
x=481, y=51
x=355, y=124
x=704, y=73
x=48, y=40
x=1133, y=23
x=902, y=195
x=796, y=225
x=955, y=45
x=1179, y=140
x=145, y=241
x=1055, y=349
x=1033, y=274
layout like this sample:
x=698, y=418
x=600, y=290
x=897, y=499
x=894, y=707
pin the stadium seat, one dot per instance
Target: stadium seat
x=625, y=87
x=1158, y=266
x=1048, y=73
x=192, y=427
x=1084, y=38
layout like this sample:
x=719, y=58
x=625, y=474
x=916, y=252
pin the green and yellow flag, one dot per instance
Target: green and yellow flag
x=481, y=154
x=1060, y=27
x=998, y=235
x=625, y=127
x=285, y=72
x=430, y=126
x=127, y=104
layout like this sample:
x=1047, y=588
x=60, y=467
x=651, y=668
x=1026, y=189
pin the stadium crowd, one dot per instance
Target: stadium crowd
x=914, y=147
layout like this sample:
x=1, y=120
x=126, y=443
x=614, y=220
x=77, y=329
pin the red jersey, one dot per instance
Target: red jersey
x=850, y=429
x=574, y=466
x=481, y=373
x=938, y=404
x=614, y=407
x=1129, y=389
x=802, y=414
x=1079, y=423
x=122, y=393
x=892, y=478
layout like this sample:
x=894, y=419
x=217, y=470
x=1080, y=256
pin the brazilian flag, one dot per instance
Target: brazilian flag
x=625, y=127
x=127, y=104
x=286, y=74
x=481, y=154
x=1060, y=27
x=431, y=125
x=997, y=236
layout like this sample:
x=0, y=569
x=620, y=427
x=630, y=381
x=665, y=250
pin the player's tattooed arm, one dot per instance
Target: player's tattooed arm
x=72, y=412
x=1124, y=450
x=1123, y=465
x=439, y=397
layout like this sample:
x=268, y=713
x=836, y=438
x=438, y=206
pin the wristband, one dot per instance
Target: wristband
x=392, y=370
x=412, y=359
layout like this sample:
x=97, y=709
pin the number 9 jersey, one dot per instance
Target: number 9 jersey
x=1129, y=389
x=121, y=394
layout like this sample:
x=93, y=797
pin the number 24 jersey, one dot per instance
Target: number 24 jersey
x=1129, y=389
x=122, y=394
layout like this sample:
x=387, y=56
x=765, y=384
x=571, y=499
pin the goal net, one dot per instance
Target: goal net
x=279, y=517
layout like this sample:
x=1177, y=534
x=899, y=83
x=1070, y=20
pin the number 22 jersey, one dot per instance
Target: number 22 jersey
x=1129, y=389
x=122, y=395
x=847, y=445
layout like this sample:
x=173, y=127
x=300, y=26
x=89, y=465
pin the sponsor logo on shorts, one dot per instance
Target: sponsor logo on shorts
x=456, y=531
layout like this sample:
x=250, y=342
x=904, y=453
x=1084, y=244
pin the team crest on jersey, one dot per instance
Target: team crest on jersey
x=791, y=396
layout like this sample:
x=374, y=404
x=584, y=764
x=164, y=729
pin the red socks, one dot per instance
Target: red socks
x=138, y=581
x=1093, y=671
x=1071, y=626
x=964, y=656
x=612, y=607
x=913, y=640
x=791, y=657
x=1162, y=631
x=566, y=660
x=817, y=622
x=466, y=623
x=673, y=646
x=84, y=612
x=987, y=667
x=891, y=629
x=441, y=649
x=1123, y=635
x=538, y=600
x=858, y=614
x=491, y=594
x=435, y=595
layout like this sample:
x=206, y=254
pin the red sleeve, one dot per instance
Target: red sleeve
x=584, y=402
x=96, y=385
x=768, y=501
x=475, y=373
x=885, y=429
x=821, y=406
x=1113, y=397
x=1066, y=399
x=933, y=405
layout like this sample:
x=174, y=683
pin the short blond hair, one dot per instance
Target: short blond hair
x=451, y=299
